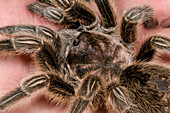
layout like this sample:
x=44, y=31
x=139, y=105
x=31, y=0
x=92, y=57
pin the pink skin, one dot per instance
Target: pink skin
x=12, y=70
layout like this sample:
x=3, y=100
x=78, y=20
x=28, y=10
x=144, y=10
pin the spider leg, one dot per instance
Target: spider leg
x=65, y=12
x=117, y=98
x=50, y=59
x=150, y=86
x=46, y=2
x=27, y=44
x=76, y=10
x=53, y=14
x=86, y=93
x=19, y=30
x=49, y=62
x=148, y=48
x=26, y=88
x=46, y=54
x=21, y=44
x=108, y=15
x=50, y=55
x=59, y=90
x=130, y=20
x=27, y=39
x=56, y=87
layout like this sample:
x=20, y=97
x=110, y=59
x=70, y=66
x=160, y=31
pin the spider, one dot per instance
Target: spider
x=91, y=61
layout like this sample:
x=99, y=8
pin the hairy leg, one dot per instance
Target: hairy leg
x=16, y=68
x=39, y=31
x=73, y=13
x=86, y=93
x=55, y=86
x=149, y=86
x=134, y=16
x=29, y=86
x=149, y=47
x=108, y=13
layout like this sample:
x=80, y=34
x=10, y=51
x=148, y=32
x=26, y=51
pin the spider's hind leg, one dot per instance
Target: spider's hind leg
x=150, y=86
x=149, y=47
x=130, y=20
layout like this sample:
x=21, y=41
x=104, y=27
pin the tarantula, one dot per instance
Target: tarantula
x=91, y=61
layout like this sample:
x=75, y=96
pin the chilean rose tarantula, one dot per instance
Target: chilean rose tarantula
x=91, y=62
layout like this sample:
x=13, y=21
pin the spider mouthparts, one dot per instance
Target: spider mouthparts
x=166, y=23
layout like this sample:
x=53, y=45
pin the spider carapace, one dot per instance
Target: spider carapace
x=90, y=62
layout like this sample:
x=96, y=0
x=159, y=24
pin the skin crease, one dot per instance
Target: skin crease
x=13, y=69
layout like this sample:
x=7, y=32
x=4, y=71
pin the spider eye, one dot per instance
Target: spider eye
x=76, y=42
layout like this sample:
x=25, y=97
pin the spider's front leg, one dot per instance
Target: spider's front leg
x=149, y=47
x=130, y=20
x=66, y=12
x=31, y=39
x=28, y=30
x=20, y=44
x=26, y=38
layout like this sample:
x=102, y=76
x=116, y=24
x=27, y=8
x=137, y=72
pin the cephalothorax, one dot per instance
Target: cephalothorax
x=91, y=62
